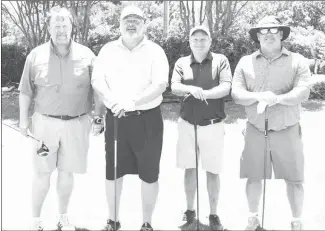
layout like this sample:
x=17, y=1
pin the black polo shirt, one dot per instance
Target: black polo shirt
x=212, y=71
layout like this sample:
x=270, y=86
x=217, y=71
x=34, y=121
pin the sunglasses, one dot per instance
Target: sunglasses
x=264, y=31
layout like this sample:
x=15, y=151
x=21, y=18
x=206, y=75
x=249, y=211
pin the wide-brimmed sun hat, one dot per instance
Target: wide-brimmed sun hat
x=269, y=22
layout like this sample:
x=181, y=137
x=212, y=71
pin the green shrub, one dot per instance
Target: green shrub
x=318, y=91
x=13, y=58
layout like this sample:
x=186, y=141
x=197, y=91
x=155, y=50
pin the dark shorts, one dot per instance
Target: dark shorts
x=285, y=154
x=139, y=145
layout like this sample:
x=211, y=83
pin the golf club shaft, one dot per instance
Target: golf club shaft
x=197, y=170
x=19, y=132
x=115, y=166
x=266, y=123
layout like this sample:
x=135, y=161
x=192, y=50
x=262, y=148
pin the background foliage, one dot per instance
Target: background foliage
x=97, y=22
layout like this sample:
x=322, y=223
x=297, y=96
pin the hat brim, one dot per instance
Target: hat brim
x=133, y=15
x=253, y=32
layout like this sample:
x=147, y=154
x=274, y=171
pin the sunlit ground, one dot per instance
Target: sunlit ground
x=88, y=204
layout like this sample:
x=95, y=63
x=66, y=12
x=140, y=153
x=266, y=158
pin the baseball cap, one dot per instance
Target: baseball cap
x=200, y=28
x=132, y=10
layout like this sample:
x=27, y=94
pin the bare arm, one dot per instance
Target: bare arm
x=294, y=97
x=24, y=104
x=218, y=92
x=151, y=93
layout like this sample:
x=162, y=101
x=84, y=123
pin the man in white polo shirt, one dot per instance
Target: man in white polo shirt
x=130, y=76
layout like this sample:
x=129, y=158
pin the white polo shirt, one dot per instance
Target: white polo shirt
x=127, y=74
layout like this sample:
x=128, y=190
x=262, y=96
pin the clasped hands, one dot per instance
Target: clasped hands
x=266, y=98
x=198, y=93
x=118, y=109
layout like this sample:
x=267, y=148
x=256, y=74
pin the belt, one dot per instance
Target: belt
x=64, y=117
x=209, y=122
x=133, y=113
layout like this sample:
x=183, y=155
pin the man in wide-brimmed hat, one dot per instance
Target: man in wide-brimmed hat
x=271, y=83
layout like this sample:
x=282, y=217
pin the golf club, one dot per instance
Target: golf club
x=197, y=171
x=115, y=124
x=43, y=150
x=265, y=162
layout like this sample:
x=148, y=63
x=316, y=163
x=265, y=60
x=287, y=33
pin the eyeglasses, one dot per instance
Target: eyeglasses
x=264, y=31
x=134, y=22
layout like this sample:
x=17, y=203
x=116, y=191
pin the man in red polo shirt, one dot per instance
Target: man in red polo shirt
x=207, y=77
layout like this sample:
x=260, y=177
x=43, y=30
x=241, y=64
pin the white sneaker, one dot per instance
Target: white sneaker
x=36, y=224
x=64, y=223
x=296, y=225
x=253, y=223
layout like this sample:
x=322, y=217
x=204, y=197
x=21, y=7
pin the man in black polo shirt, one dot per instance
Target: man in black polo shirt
x=207, y=77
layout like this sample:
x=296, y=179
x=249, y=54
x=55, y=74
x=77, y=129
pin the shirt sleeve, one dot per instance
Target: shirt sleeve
x=225, y=71
x=238, y=81
x=26, y=85
x=160, y=67
x=178, y=73
x=98, y=80
x=302, y=78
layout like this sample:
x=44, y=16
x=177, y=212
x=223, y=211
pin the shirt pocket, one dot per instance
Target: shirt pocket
x=42, y=74
x=81, y=73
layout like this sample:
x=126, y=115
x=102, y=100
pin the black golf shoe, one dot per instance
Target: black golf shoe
x=214, y=222
x=188, y=218
x=146, y=227
x=110, y=225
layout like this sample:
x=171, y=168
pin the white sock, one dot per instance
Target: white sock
x=36, y=219
x=296, y=219
x=252, y=214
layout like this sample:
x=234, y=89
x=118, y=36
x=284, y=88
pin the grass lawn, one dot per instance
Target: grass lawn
x=88, y=205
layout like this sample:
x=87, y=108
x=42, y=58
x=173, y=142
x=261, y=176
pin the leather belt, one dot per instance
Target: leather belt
x=209, y=122
x=133, y=113
x=64, y=117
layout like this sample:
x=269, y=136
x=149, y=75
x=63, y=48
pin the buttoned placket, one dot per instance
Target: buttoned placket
x=266, y=67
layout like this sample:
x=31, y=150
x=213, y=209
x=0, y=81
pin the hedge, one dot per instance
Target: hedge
x=14, y=55
x=13, y=58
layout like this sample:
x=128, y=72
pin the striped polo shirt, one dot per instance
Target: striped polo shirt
x=212, y=71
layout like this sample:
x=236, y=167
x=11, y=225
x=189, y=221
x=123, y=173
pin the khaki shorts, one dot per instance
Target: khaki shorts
x=210, y=146
x=67, y=140
x=285, y=154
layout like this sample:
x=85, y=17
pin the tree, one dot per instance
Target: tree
x=29, y=16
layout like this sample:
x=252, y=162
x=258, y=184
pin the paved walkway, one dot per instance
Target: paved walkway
x=88, y=204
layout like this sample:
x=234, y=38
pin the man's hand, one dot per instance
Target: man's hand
x=265, y=99
x=267, y=96
x=23, y=127
x=197, y=92
x=118, y=110
x=97, y=125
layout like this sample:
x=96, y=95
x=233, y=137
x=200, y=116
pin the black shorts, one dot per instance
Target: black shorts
x=139, y=145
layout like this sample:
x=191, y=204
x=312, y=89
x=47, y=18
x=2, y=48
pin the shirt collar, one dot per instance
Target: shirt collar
x=209, y=57
x=53, y=48
x=259, y=54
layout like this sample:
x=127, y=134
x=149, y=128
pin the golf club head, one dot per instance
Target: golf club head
x=43, y=150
